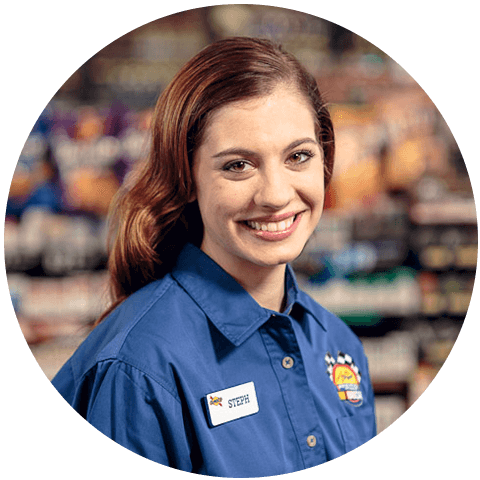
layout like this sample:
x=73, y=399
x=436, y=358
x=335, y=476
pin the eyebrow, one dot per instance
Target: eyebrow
x=244, y=152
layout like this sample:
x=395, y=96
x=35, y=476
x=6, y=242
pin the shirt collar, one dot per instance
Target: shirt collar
x=232, y=310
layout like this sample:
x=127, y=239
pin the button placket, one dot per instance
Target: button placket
x=280, y=334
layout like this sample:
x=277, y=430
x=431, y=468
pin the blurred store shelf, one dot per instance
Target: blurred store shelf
x=394, y=255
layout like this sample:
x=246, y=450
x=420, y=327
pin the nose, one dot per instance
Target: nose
x=275, y=189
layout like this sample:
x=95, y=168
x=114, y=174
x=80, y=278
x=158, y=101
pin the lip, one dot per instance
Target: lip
x=274, y=236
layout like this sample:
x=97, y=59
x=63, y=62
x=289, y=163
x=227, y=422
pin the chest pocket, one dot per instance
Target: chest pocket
x=357, y=430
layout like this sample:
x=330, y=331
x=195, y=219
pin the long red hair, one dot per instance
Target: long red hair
x=152, y=218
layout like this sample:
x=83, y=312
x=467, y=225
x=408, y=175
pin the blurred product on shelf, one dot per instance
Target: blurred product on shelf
x=43, y=243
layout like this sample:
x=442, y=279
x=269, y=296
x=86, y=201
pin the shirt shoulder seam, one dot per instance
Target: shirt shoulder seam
x=122, y=363
x=155, y=298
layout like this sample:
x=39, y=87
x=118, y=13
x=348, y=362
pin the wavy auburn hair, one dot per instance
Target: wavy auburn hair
x=153, y=218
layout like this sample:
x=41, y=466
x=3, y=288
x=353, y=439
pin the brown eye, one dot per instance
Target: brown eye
x=300, y=157
x=239, y=166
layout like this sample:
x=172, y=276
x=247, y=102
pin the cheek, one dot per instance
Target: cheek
x=235, y=198
x=217, y=204
x=313, y=187
x=228, y=199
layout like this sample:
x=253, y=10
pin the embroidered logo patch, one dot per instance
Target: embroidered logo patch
x=346, y=377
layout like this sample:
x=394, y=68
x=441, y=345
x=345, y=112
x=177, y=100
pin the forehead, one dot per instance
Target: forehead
x=284, y=114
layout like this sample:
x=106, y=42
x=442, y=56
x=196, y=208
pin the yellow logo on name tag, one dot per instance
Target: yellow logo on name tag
x=232, y=403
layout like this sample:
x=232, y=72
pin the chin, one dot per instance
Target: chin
x=272, y=258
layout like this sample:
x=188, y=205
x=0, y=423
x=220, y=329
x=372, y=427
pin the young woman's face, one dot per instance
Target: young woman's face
x=259, y=181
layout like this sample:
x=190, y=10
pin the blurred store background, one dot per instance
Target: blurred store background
x=395, y=252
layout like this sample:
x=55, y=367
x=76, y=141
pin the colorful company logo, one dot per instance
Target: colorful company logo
x=345, y=376
x=217, y=401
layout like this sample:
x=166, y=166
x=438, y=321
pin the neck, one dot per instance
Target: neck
x=266, y=284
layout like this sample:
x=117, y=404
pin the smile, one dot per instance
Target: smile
x=273, y=230
x=272, y=226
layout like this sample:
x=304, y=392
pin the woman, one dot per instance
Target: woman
x=211, y=360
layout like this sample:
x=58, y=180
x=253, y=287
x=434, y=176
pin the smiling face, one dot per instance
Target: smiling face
x=259, y=181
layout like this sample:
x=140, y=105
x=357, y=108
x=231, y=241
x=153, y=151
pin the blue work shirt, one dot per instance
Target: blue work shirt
x=158, y=373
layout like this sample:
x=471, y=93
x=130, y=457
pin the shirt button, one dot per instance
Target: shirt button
x=287, y=362
x=311, y=440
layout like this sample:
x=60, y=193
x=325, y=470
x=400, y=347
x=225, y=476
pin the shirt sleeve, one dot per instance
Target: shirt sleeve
x=137, y=412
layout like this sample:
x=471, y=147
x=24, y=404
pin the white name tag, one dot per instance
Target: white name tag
x=232, y=403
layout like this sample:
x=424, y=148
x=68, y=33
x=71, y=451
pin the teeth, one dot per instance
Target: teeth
x=272, y=226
